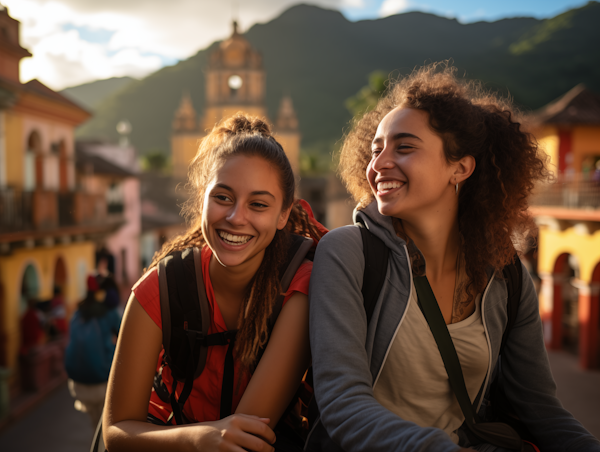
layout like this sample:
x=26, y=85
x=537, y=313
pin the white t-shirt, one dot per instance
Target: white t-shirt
x=414, y=383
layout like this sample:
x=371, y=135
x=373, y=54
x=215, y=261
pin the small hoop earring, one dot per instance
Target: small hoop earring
x=456, y=188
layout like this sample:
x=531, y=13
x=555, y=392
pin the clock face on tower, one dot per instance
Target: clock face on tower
x=235, y=82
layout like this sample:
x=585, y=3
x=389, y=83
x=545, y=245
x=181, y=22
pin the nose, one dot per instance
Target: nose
x=237, y=215
x=383, y=160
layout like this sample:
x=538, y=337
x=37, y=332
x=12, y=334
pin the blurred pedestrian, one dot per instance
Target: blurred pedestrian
x=92, y=333
x=57, y=317
x=107, y=283
x=32, y=327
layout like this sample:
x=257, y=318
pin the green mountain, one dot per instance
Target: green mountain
x=321, y=59
x=90, y=95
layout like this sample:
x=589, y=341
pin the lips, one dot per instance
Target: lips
x=234, y=239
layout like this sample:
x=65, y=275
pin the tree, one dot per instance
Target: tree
x=155, y=161
x=366, y=99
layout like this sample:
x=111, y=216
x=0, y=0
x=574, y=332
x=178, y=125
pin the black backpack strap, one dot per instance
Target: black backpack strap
x=298, y=250
x=376, y=255
x=513, y=273
x=184, y=310
x=204, y=311
x=496, y=433
x=183, y=274
x=165, y=307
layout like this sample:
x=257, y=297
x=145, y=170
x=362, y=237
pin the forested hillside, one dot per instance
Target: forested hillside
x=90, y=95
x=321, y=59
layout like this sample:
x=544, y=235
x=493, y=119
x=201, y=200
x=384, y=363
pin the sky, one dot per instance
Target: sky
x=79, y=41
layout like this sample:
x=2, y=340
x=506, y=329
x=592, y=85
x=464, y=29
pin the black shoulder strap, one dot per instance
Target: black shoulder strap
x=513, y=273
x=495, y=433
x=204, y=314
x=298, y=250
x=185, y=323
x=376, y=255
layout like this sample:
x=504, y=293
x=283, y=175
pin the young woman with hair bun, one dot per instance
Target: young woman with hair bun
x=441, y=171
x=241, y=211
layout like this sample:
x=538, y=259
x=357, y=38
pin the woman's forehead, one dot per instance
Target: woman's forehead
x=248, y=173
x=402, y=120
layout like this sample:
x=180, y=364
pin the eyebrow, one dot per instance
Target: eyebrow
x=254, y=193
x=397, y=137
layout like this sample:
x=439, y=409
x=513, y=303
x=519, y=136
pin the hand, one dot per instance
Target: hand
x=234, y=433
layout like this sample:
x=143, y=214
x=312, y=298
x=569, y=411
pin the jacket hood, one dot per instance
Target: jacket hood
x=380, y=225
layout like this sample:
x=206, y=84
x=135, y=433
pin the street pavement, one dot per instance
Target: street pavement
x=55, y=426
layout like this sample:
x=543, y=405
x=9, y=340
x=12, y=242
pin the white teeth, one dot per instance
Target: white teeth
x=388, y=185
x=234, y=239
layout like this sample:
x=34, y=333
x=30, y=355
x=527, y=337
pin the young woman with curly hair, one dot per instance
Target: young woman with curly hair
x=441, y=171
x=241, y=211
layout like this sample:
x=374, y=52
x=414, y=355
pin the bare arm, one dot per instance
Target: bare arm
x=283, y=364
x=128, y=395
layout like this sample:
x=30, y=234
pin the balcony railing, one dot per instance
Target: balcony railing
x=575, y=191
x=16, y=210
x=22, y=210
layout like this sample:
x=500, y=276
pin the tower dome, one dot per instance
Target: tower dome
x=235, y=74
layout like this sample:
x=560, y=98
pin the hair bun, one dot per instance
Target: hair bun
x=241, y=123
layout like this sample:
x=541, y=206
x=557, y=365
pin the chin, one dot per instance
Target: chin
x=228, y=260
x=388, y=209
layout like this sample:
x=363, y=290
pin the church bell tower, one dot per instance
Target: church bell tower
x=235, y=81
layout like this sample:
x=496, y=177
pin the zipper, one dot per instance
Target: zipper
x=401, y=319
x=487, y=338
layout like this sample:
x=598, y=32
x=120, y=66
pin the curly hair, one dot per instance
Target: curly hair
x=248, y=136
x=492, y=207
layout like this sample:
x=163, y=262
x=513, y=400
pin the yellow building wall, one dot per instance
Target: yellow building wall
x=44, y=260
x=215, y=114
x=183, y=150
x=586, y=142
x=585, y=247
x=547, y=138
x=14, y=149
x=291, y=145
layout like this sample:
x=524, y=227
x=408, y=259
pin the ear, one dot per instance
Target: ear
x=463, y=169
x=283, y=217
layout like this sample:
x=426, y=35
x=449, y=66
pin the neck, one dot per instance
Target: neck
x=437, y=236
x=231, y=282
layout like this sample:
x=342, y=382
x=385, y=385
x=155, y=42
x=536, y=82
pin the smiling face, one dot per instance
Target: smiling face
x=242, y=211
x=408, y=172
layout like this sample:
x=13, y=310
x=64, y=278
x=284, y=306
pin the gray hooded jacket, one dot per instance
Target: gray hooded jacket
x=348, y=355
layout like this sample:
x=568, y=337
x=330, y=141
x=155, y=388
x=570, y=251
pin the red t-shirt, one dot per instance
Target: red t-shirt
x=204, y=402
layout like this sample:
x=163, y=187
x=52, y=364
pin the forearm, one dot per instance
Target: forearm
x=282, y=366
x=132, y=436
x=234, y=432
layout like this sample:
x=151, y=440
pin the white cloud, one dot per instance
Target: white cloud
x=353, y=4
x=390, y=7
x=64, y=59
x=145, y=33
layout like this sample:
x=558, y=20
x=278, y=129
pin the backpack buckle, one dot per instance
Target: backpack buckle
x=199, y=335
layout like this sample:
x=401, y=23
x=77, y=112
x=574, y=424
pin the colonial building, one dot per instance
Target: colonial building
x=48, y=222
x=567, y=212
x=111, y=171
x=235, y=81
